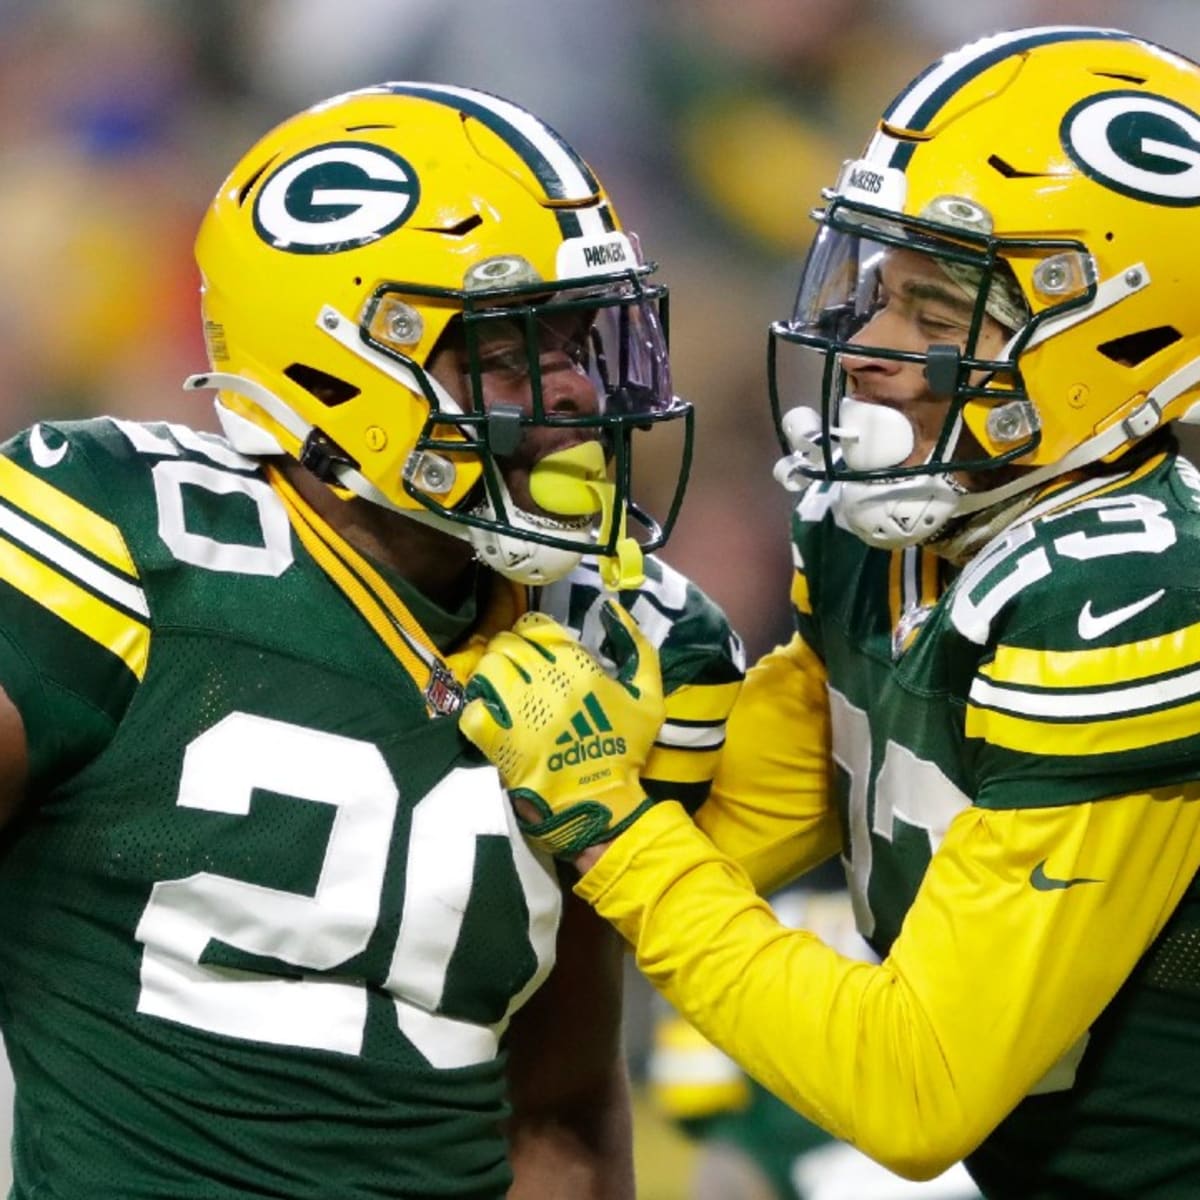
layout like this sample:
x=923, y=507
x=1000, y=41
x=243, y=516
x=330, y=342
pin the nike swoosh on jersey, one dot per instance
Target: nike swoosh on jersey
x=43, y=454
x=1092, y=626
x=1047, y=883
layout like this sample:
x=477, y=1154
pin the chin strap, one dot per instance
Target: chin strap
x=245, y=436
x=969, y=537
x=530, y=563
x=572, y=482
x=909, y=510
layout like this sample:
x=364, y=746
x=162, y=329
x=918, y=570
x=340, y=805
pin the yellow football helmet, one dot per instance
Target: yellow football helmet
x=1053, y=175
x=357, y=239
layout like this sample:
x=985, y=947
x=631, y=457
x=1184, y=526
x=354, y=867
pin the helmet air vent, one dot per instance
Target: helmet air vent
x=329, y=389
x=463, y=227
x=244, y=190
x=1138, y=79
x=1134, y=348
x=1009, y=171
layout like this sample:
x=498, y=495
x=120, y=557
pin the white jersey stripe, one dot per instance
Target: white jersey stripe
x=69, y=560
x=691, y=737
x=1077, y=705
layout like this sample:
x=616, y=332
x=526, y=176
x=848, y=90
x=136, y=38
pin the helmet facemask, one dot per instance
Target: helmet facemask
x=971, y=321
x=542, y=391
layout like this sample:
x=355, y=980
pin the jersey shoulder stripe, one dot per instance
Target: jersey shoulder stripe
x=1113, y=698
x=26, y=492
x=105, y=624
x=57, y=552
x=1090, y=646
x=688, y=746
x=1088, y=737
x=1144, y=658
x=693, y=705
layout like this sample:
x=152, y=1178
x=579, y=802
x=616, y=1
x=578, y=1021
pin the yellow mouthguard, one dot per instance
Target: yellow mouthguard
x=574, y=483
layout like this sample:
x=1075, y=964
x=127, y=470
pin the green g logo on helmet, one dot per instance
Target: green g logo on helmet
x=335, y=197
x=1139, y=145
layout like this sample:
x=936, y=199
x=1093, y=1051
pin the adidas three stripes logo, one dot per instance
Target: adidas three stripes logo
x=585, y=741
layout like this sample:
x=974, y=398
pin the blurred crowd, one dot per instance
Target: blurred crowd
x=714, y=125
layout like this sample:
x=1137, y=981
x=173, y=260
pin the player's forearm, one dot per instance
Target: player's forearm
x=991, y=982
x=770, y=808
x=776, y=1000
x=570, y=1126
x=580, y=1153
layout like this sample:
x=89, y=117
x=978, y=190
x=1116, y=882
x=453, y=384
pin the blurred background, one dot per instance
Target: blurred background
x=713, y=124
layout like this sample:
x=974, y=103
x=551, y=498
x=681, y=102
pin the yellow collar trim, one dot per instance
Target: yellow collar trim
x=439, y=679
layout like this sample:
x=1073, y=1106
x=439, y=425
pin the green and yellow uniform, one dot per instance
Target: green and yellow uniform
x=263, y=919
x=1008, y=760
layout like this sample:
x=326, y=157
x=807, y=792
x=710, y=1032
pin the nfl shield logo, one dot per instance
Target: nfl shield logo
x=444, y=694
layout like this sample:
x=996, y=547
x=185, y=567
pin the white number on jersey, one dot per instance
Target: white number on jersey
x=908, y=790
x=221, y=769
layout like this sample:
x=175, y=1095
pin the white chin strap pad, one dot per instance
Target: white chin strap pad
x=888, y=513
x=528, y=563
x=895, y=513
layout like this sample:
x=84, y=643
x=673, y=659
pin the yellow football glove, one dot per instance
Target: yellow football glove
x=568, y=739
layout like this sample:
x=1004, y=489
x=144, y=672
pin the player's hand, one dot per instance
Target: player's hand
x=568, y=739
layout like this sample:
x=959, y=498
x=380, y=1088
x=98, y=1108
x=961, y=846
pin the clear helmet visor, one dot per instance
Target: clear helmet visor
x=614, y=337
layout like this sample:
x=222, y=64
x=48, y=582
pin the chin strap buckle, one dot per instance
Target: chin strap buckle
x=321, y=455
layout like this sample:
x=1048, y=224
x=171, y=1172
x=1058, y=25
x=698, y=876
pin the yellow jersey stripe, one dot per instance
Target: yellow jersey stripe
x=931, y=578
x=382, y=608
x=1047, y=738
x=119, y=633
x=65, y=514
x=1094, y=668
x=800, y=597
x=304, y=521
x=895, y=588
x=68, y=560
x=680, y=766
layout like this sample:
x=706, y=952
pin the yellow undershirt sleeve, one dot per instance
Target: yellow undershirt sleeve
x=770, y=806
x=993, y=980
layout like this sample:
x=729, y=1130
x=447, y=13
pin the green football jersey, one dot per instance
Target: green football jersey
x=1059, y=667
x=263, y=920
x=701, y=657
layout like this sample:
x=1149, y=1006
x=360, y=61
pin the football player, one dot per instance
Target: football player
x=989, y=706
x=268, y=925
